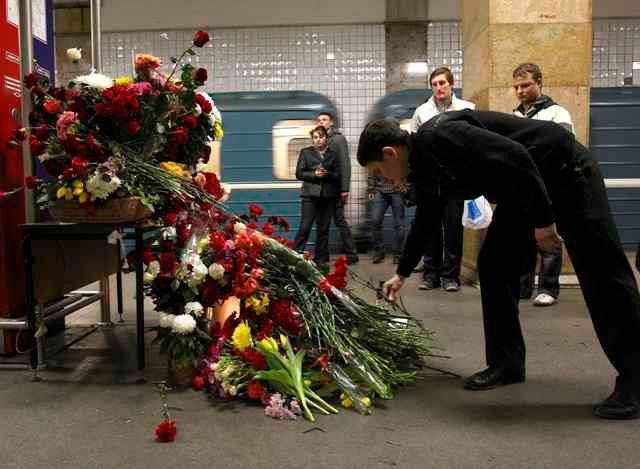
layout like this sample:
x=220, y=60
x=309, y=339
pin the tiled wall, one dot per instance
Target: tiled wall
x=616, y=52
x=444, y=48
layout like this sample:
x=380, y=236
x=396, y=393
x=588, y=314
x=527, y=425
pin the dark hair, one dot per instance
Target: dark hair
x=522, y=70
x=442, y=71
x=320, y=129
x=377, y=135
x=326, y=113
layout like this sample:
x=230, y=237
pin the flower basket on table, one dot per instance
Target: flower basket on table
x=123, y=210
x=124, y=149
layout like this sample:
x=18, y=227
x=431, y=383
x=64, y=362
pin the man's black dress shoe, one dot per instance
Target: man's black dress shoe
x=622, y=404
x=493, y=377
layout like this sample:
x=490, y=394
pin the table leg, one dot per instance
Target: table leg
x=139, y=299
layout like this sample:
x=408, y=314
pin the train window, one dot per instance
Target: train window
x=289, y=137
x=213, y=165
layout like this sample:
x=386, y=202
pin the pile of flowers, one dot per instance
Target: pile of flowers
x=143, y=136
x=296, y=337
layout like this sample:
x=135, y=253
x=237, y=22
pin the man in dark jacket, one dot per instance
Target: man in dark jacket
x=339, y=145
x=539, y=176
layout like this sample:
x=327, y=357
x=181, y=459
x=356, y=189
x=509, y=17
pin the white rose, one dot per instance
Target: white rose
x=239, y=227
x=233, y=390
x=166, y=320
x=194, y=308
x=216, y=271
x=183, y=324
x=74, y=54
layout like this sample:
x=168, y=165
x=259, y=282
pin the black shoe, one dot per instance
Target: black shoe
x=352, y=259
x=450, y=285
x=493, y=377
x=396, y=258
x=622, y=404
x=429, y=284
x=378, y=257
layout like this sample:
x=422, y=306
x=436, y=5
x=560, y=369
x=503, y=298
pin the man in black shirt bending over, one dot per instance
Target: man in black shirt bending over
x=546, y=185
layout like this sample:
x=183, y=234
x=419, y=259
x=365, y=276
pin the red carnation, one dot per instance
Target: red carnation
x=255, y=391
x=204, y=103
x=200, y=38
x=52, y=106
x=198, y=383
x=30, y=182
x=190, y=121
x=200, y=75
x=37, y=147
x=166, y=431
x=168, y=263
x=42, y=132
x=255, y=210
x=148, y=256
x=254, y=358
x=31, y=80
x=181, y=135
x=170, y=218
x=79, y=165
x=268, y=229
x=133, y=127
x=216, y=241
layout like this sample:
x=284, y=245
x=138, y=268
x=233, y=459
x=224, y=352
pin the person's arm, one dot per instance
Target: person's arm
x=415, y=120
x=563, y=118
x=501, y=167
x=303, y=171
x=333, y=171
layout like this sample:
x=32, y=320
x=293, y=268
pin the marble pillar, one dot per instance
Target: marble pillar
x=498, y=35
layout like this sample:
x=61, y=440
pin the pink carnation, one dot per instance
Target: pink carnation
x=65, y=120
x=141, y=88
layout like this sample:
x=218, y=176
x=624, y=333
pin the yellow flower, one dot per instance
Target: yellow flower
x=241, y=337
x=123, y=80
x=61, y=192
x=307, y=382
x=82, y=198
x=258, y=303
x=68, y=195
x=178, y=169
x=77, y=190
x=218, y=133
x=269, y=343
x=366, y=401
x=283, y=341
x=77, y=183
x=346, y=402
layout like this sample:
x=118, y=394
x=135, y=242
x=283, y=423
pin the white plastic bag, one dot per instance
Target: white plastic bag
x=477, y=213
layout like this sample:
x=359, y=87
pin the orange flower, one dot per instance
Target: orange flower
x=146, y=62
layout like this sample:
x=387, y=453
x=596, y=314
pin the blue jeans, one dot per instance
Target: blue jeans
x=381, y=202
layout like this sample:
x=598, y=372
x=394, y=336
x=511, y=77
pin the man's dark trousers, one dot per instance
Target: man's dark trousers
x=584, y=221
x=445, y=230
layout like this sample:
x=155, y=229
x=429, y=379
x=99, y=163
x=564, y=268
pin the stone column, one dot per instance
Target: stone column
x=498, y=35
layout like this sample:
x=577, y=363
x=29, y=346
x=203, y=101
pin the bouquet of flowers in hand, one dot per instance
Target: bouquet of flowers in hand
x=142, y=136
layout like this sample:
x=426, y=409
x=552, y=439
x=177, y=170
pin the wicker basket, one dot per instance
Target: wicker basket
x=122, y=210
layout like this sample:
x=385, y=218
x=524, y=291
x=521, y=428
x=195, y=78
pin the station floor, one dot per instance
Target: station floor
x=86, y=412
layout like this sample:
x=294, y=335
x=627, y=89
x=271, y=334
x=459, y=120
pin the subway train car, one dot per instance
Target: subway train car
x=263, y=135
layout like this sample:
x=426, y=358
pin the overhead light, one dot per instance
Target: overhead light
x=417, y=68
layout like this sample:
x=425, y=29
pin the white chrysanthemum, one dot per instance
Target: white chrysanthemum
x=194, y=308
x=101, y=188
x=95, y=80
x=192, y=270
x=216, y=271
x=166, y=320
x=74, y=54
x=239, y=227
x=183, y=324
